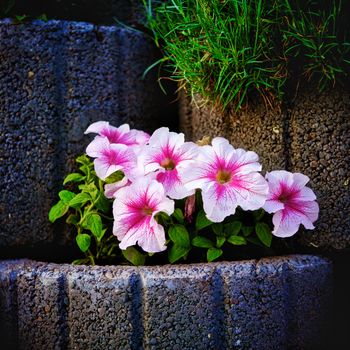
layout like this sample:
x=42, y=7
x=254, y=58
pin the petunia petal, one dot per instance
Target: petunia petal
x=286, y=223
x=111, y=189
x=272, y=206
x=219, y=201
x=97, y=127
x=251, y=190
x=96, y=146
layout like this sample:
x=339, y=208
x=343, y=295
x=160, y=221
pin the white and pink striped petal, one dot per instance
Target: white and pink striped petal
x=122, y=134
x=110, y=158
x=228, y=178
x=291, y=202
x=134, y=210
x=169, y=155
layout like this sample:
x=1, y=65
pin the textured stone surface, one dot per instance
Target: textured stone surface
x=311, y=137
x=274, y=303
x=55, y=79
x=320, y=148
x=258, y=128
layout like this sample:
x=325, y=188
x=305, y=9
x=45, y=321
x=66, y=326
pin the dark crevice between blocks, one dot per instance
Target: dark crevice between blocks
x=63, y=307
x=219, y=332
x=9, y=310
x=136, y=311
x=287, y=115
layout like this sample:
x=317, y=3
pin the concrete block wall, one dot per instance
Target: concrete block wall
x=56, y=78
x=274, y=303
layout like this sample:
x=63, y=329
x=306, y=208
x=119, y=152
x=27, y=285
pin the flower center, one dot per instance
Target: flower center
x=286, y=197
x=168, y=164
x=147, y=211
x=223, y=176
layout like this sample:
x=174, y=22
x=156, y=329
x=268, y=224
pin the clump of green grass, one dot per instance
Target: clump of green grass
x=231, y=50
x=316, y=40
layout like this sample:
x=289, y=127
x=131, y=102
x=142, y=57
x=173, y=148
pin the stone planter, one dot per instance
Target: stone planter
x=274, y=303
x=311, y=136
x=56, y=78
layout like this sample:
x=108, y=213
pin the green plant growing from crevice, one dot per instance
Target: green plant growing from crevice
x=232, y=51
x=317, y=43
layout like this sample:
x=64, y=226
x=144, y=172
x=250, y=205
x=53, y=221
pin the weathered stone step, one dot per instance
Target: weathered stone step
x=55, y=79
x=274, y=303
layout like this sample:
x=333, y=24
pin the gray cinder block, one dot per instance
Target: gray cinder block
x=55, y=79
x=320, y=148
x=273, y=303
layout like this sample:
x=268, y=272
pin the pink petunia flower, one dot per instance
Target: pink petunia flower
x=292, y=202
x=169, y=155
x=111, y=158
x=228, y=178
x=122, y=134
x=111, y=189
x=134, y=209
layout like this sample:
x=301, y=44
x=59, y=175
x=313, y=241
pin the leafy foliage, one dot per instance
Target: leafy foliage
x=228, y=51
x=89, y=211
x=85, y=207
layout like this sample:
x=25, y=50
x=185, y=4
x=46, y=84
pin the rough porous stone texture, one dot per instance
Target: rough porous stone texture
x=320, y=148
x=257, y=128
x=273, y=303
x=311, y=136
x=55, y=79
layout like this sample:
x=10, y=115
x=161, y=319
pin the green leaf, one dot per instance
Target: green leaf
x=83, y=159
x=43, y=17
x=134, y=256
x=202, y=221
x=162, y=217
x=237, y=240
x=220, y=241
x=83, y=241
x=179, y=235
x=94, y=224
x=202, y=242
x=247, y=230
x=72, y=219
x=233, y=228
x=254, y=240
x=218, y=229
x=177, y=252
x=91, y=189
x=213, y=253
x=85, y=169
x=83, y=261
x=66, y=196
x=79, y=200
x=20, y=18
x=258, y=214
x=263, y=231
x=178, y=215
x=57, y=211
x=115, y=177
x=74, y=177
x=103, y=203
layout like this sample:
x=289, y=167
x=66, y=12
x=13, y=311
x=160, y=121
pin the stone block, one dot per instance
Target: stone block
x=56, y=78
x=273, y=303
